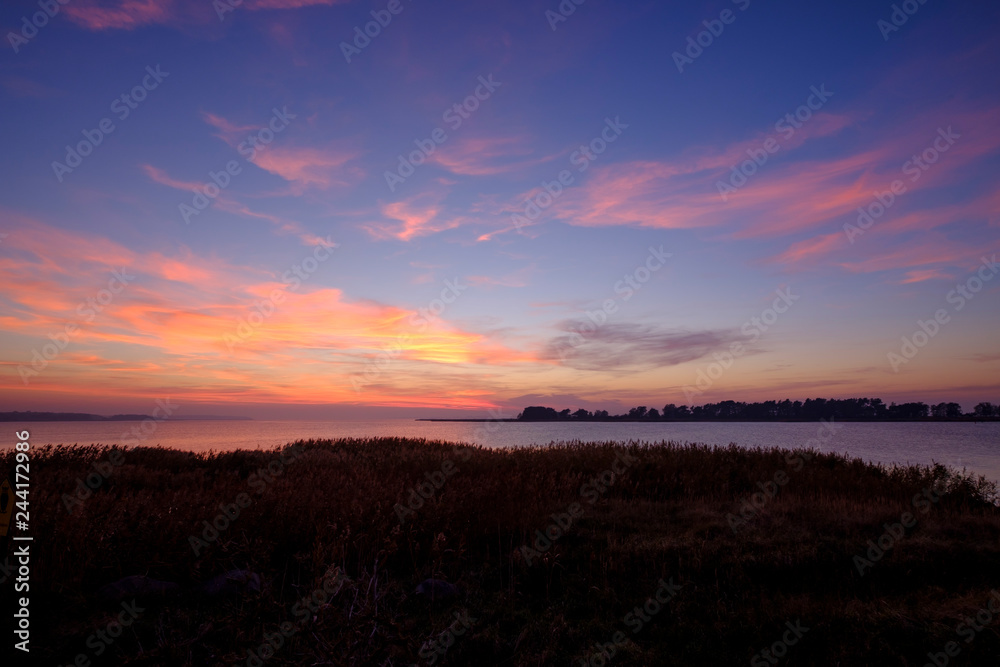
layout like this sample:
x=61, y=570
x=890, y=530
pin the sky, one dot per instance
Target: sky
x=316, y=209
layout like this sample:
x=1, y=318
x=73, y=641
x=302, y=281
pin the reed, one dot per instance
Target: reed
x=332, y=508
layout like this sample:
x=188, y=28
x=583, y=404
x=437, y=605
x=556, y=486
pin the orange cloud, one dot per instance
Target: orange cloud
x=211, y=329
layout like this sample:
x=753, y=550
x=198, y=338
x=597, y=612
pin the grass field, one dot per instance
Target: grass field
x=341, y=537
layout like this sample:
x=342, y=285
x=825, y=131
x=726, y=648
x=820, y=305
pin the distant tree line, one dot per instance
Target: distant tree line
x=65, y=417
x=812, y=409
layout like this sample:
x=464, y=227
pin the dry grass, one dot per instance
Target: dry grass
x=665, y=517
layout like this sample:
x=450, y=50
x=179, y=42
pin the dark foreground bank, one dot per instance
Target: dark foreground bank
x=400, y=552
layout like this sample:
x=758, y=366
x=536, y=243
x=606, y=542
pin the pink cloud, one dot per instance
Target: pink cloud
x=797, y=196
x=225, y=201
x=924, y=221
x=788, y=196
x=159, y=176
x=808, y=249
x=485, y=156
x=310, y=167
x=412, y=217
x=517, y=278
x=120, y=14
x=289, y=4
x=303, y=167
x=132, y=14
x=229, y=132
x=926, y=274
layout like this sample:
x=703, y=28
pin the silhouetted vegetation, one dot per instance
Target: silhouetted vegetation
x=813, y=409
x=667, y=516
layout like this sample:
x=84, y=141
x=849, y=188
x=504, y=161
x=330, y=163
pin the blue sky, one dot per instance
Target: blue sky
x=348, y=337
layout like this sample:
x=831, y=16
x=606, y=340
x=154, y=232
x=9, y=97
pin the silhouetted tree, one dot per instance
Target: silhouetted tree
x=811, y=409
x=984, y=409
x=637, y=413
x=538, y=413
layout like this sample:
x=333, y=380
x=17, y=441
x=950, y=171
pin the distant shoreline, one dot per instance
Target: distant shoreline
x=717, y=421
x=86, y=417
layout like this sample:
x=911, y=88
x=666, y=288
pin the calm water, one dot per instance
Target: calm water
x=961, y=445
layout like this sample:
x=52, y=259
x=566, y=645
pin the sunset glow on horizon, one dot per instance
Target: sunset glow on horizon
x=263, y=211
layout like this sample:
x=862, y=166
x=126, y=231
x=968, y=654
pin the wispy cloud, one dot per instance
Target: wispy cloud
x=628, y=346
x=120, y=14
x=226, y=201
x=487, y=156
x=133, y=14
x=415, y=216
x=311, y=167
